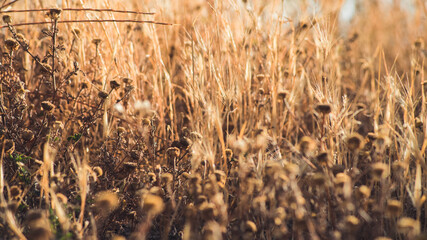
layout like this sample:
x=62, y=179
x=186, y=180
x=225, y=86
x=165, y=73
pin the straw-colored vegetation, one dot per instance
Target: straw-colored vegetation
x=234, y=122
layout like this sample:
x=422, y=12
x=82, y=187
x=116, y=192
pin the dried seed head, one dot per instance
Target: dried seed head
x=250, y=227
x=121, y=130
x=9, y=146
x=379, y=171
x=40, y=233
x=407, y=225
x=319, y=179
x=394, y=208
x=419, y=43
x=7, y=19
x=15, y=192
x=355, y=142
x=173, y=152
x=127, y=80
x=208, y=211
x=228, y=153
x=363, y=192
x=27, y=135
x=398, y=167
x=54, y=13
x=103, y=94
x=282, y=94
x=96, y=41
x=76, y=32
x=62, y=198
x=323, y=158
x=383, y=238
x=341, y=179
x=152, y=204
x=47, y=106
x=324, y=108
x=11, y=45
x=307, y=145
x=166, y=178
x=114, y=84
x=98, y=171
x=106, y=201
x=352, y=223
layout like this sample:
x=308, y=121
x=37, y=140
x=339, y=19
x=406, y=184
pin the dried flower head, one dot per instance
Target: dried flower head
x=152, y=204
x=62, y=198
x=363, y=192
x=323, y=158
x=15, y=192
x=102, y=94
x=11, y=45
x=394, y=208
x=96, y=41
x=98, y=171
x=166, y=178
x=114, y=84
x=355, y=142
x=307, y=145
x=47, y=106
x=54, y=14
x=27, y=135
x=352, y=223
x=407, y=225
x=324, y=108
x=379, y=171
x=106, y=201
x=7, y=19
x=9, y=146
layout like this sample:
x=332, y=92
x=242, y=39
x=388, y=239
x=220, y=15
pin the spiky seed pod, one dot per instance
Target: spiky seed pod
x=114, y=84
x=11, y=45
x=152, y=204
x=47, y=106
x=324, y=108
x=355, y=142
x=106, y=201
x=394, y=208
x=103, y=94
x=98, y=171
x=379, y=171
x=15, y=192
x=7, y=19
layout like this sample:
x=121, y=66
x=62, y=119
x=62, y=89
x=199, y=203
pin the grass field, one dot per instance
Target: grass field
x=207, y=119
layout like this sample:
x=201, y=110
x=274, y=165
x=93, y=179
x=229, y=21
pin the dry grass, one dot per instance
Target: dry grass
x=232, y=123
